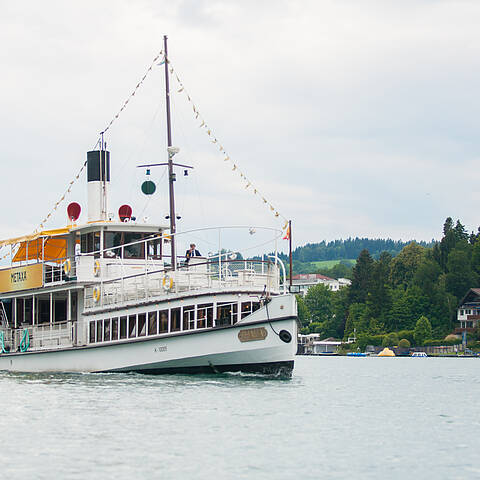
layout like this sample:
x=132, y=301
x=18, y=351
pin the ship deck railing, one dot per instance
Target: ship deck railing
x=236, y=275
x=44, y=336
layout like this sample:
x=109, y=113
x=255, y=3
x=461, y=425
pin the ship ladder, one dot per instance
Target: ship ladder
x=3, y=315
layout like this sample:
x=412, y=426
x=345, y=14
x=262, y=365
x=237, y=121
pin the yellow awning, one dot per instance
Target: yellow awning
x=34, y=236
x=54, y=249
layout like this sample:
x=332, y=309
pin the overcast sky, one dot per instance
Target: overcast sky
x=354, y=118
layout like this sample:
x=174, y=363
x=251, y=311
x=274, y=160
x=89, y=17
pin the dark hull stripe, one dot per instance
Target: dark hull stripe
x=283, y=369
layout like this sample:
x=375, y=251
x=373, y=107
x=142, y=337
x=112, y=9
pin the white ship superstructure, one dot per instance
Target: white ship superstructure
x=112, y=295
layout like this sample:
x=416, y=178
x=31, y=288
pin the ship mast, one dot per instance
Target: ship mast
x=171, y=173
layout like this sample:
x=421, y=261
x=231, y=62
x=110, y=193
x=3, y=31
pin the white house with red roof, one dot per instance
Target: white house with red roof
x=303, y=281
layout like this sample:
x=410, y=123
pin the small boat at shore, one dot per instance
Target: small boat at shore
x=112, y=295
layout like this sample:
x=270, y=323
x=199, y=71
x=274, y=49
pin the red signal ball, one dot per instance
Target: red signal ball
x=73, y=211
x=125, y=212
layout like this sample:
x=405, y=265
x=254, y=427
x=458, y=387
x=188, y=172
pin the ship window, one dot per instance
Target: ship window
x=132, y=326
x=99, y=331
x=90, y=242
x=188, y=318
x=163, y=321
x=255, y=306
x=114, y=328
x=226, y=314
x=152, y=323
x=246, y=309
x=20, y=317
x=59, y=310
x=142, y=324
x=175, y=320
x=154, y=249
x=106, y=330
x=117, y=239
x=205, y=315
x=92, y=332
x=123, y=327
x=43, y=310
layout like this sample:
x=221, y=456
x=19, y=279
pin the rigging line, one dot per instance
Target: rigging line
x=139, y=84
x=145, y=132
x=67, y=191
x=214, y=140
x=150, y=198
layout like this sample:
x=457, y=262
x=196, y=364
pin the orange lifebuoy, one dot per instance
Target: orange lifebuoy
x=167, y=282
x=96, y=294
x=67, y=266
x=96, y=268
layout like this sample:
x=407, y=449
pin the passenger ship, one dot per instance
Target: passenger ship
x=105, y=297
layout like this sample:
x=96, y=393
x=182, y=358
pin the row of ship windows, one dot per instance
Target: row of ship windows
x=172, y=320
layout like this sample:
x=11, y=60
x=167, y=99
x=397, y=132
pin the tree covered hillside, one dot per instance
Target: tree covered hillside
x=391, y=294
x=349, y=248
x=304, y=257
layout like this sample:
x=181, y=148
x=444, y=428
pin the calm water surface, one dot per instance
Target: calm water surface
x=336, y=418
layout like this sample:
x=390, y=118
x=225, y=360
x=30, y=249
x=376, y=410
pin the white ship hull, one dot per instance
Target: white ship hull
x=217, y=350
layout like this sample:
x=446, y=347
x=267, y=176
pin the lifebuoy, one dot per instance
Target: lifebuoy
x=96, y=294
x=67, y=266
x=167, y=282
x=96, y=268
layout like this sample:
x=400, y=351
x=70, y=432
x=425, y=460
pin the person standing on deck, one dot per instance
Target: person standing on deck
x=192, y=252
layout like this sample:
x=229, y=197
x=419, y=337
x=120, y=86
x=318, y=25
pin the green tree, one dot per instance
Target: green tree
x=404, y=343
x=405, y=264
x=362, y=278
x=390, y=340
x=475, y=262
x=399, y=314
x=357, y=319
x=460, y=276
x=303, y=312
x=340, y=310
x=423, y=330
x=427, y=273
x=319, y=302
x=379, y=299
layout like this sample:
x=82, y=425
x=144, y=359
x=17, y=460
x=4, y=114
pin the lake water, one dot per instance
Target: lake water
x=336, y=418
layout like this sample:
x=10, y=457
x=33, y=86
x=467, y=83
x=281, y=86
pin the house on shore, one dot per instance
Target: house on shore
x=311, y=344
x=303, y=281
x=468, y=313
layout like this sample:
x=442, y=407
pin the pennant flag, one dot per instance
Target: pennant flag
x=287, y=234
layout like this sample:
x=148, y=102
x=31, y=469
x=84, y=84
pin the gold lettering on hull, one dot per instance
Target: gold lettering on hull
x=21, y=278
x=252, y=334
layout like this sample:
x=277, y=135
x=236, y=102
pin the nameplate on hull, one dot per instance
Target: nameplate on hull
x=21, y=278
x=252, y=334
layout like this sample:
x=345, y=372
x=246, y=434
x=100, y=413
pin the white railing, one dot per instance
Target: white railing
x=47, y=336
x=234, y=275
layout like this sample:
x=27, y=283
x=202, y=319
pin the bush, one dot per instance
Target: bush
x=423, y=330
x=404, y=343
x=376, y=340
x=390, y=340
x=407, y=335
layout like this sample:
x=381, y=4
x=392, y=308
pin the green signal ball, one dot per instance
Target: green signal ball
x=148, y=187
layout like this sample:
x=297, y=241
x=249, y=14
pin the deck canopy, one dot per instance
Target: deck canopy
x=49, y=245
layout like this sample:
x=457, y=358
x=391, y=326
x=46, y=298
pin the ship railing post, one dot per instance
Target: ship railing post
x=219, y=258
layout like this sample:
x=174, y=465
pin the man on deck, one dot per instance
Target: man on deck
x=192, y=252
